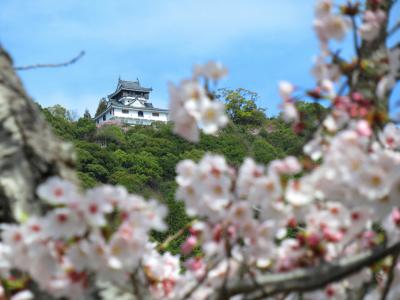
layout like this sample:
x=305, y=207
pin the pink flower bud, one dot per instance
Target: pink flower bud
x=396, y=216
x=194, y=231
x=231, y=231
x=368, y=239
x=194, y=264
x=217, y=232
x=333, y=237
x=356, y=96
x=313, y=240
x=189, y=245
x=363, y=128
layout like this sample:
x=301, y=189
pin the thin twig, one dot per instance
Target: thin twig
x=355, y=38
x=201, y=280
x=390, y=278
x=394, y=28
x=253, y=277
x=57, y=65
x=342, y=88
x=224, y=284
x=176, y=235
x=228, y=268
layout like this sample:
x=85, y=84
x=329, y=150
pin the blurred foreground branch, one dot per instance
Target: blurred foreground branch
x=29, y=152
x=309, y=279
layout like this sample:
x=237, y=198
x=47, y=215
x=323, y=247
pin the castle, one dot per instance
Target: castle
x=130, y=105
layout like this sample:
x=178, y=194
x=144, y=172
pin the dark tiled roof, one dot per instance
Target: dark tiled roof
x=129, y=86
x=147, y=104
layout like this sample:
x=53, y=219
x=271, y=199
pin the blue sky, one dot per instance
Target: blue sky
x=261, y=42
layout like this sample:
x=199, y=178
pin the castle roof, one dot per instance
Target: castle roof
x=125, y=85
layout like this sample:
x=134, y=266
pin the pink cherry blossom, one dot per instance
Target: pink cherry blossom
x=189, y=245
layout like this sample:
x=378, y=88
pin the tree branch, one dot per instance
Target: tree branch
x=57, y=65
x=394, y=28
x=355, y=38
x=310, y=279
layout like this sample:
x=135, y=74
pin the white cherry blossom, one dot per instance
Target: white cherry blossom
x=286, y=90
x=214, y=70
x=64, y=223
x=390, y=136
x=212, y=117
x=372, y=24
x=57, y=191
x=289, y=112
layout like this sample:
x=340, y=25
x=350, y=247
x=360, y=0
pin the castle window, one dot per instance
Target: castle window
x=155, y=114
x=104, y=117
x=140, y=113
x=125, y=111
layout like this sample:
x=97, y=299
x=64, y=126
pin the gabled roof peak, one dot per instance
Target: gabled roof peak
x=129, y=86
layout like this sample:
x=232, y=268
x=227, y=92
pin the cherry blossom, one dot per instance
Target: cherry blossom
x=193, y=106
x=285, y=90
x=213, y=117
x=23, y=295
x=289, y=112
x=212, y=70
x=331, y=27
x=57, y=191
x=390, y=136
x=372, y=22
x=64, y=222
x=389, y=80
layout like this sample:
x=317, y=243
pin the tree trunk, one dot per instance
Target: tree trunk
x=370, y=50
x=29, y=151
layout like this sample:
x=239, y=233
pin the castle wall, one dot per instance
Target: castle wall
x=134, y=113
x=132, y=116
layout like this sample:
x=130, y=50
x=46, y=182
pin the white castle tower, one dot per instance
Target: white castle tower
x=129, y=104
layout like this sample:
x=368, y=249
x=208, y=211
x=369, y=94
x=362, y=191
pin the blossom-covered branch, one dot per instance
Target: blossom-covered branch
x=308, y=280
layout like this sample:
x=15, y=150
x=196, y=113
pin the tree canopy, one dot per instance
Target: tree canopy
x=241, y=106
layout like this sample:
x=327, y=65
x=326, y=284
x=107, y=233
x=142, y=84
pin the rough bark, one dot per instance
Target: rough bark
x=368, y=50
x=29, y=151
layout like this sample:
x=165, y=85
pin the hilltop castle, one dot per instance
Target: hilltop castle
x=129, y=104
